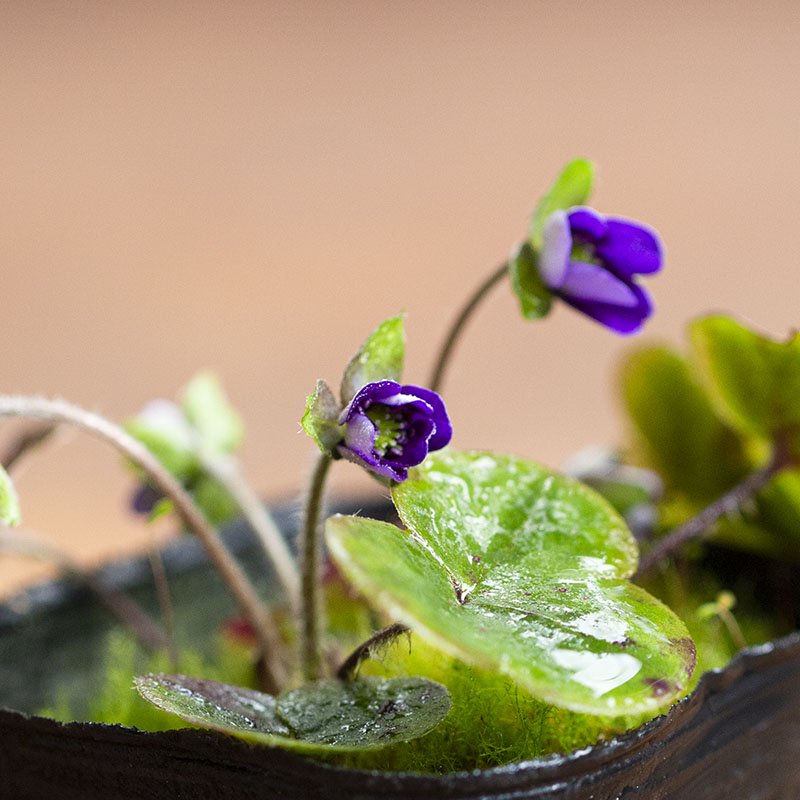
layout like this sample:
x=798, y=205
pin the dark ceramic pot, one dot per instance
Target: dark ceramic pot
x=736, y=737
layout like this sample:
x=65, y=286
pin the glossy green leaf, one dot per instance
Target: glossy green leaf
x=380, y=358
x=515, y=569
x=754, y=380
x=682, y=437
x=321, y=418
x=162, y=427
x=9, y=502
x=364, y=714
x=535, y=299
x=571, y=188
x=208, y=409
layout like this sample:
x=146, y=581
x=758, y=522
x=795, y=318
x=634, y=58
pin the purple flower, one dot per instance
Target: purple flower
x=591, y=263
x=389, y=427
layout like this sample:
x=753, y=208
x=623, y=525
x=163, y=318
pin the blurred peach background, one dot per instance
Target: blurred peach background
x=253, y=186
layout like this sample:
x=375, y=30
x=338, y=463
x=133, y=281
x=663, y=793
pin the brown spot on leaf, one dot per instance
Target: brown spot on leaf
x=660, y=686
x=686, y=648
x=461, y=595
x=561, y=589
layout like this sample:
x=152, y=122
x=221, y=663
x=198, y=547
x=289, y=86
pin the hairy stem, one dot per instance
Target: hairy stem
x=229, y=570
x=227, y=473
x=698, y=525
x=26, y=441
x=164, y=603
x=310, y=566
x=378, y=640
x=126, y=610
x=454, y=334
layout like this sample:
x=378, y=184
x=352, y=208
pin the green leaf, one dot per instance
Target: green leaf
x=321, y=418
x=571, y=188
x=162, y=508
x=208, y=409
x=692, y=449
x=365, y=714
x=755, y=381
x=535, y=299
x=163, y=429
x=380, y=358
x=512, y=568
x=9, y=502
x=214, y=499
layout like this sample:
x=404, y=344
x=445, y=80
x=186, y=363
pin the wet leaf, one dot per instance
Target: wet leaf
x=208, y=409
x=321, y=418
x=9, y=502
x=571, y=188
x=535, y=299
x=515, y=569
x=380, y=358
x=365, y=714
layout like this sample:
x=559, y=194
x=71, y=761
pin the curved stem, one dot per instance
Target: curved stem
x=229, y=570
x=453, y=335
x=375, y=643
x=227, y=473
x=26, y=441
x=729, y=502
x=311, y=624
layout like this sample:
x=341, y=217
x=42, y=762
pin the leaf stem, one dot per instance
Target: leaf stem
x=456, y=328
x=164, y=603
x=365, y=650
x=229, y=570
x=26, y=441
x=697, y=526
x=226, y=471
x=310, y=569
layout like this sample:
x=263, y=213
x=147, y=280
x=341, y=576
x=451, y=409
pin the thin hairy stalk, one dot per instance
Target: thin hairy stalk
x=227, y=473
x=698, y=525
x=164, y=603
x=229, y=570
x=735, y=632
x=126, y=610
x=454, y=334
x=310, y=571
x=367, y=649
x=26, y=441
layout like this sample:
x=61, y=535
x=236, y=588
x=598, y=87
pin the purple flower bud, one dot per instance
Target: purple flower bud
x=389, y=427
x=590, y=262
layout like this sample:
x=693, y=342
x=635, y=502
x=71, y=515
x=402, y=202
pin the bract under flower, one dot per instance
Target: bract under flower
x=591, y=263
x=390, y=428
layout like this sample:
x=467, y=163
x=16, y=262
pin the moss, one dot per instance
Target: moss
x=118, y=702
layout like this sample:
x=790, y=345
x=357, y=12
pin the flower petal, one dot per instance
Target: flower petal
x=620, y=319
x=590, y=283
x=371, y=393
x=586, y=224
x=398, y=474
x=444, y=428
x=630, y=248
x=556, y=247
x=359, y=435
